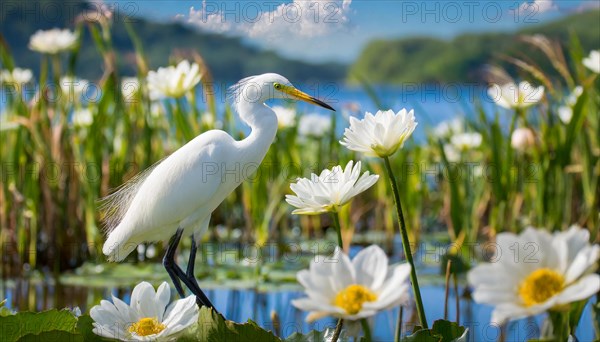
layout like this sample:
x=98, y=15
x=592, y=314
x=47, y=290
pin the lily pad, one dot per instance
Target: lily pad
x=35, y=326
x=213, y=327
x=442, y=331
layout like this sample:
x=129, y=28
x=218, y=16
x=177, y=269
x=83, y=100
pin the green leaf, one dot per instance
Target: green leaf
x=424, y=335
x=52, y=336
x=313, y=335
x=4, y=311
x=28, y=323
x=213, y=327
x=575, y=314
x=450, y=331
x=441, y=331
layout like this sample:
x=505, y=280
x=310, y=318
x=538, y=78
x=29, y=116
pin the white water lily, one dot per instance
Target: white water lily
x=536, y=271
x=73, y=87
x=522, y=139
x=330, y=190
x=513, y=96
x=314, y=125
x=466, y=141
x=129, y=87
x=381, y=134
x=355, y=289
x=286, y=117
x=565, y=113
x=149, y=316
x=52, y=41
x=592, y=61
x=173, y=81
x=16, y=77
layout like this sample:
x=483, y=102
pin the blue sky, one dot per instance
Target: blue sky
x=322, y=30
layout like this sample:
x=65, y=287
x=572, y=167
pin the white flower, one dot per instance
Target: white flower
x=448, y=127
x=466, y=141
x=513, y=96
x=522, y=139
x=381, y=134
x=565, y=113
x=17, y=77
x=129, y=87
x=72, y=88
x=355, y=289
x=314, y=125
x=535, y=271
x=286, y=117
x=330, y=190
x=149, y=316
x=574, y=96
x=52, y=41
x=173, y=81
x=156, y=110
x=451, y=153
x=592, y=61
x=83, y=117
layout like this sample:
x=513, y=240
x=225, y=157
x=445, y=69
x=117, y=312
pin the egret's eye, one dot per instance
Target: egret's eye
x=277, y=86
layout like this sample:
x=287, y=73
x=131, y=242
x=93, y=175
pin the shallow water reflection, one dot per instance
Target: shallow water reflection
x=241, y=305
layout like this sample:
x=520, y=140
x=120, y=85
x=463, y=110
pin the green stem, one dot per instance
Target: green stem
x=336, y=223
x=366, y=329
x=399, y=325
x=338, y=330
x=338, y=228
x=406, y=245
x=507, y=172
x=560, y=325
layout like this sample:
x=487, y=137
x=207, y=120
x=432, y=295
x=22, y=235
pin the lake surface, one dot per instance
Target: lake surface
x=241, y=305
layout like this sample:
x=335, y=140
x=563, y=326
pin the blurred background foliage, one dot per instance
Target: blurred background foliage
x=463, y=58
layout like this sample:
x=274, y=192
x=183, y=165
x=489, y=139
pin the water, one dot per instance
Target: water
x=239, y=301
x=432, y=103
x=241, y=305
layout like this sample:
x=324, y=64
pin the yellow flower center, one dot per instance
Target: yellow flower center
x=352, y=298
x=146, y=326
x=540, y=286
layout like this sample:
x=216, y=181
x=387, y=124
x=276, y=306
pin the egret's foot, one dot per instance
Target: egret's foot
x=177, y=274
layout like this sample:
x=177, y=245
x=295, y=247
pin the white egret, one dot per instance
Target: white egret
x=178, y=195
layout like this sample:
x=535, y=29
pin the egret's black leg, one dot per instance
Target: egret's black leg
x=169, y=261
x=190, y=267
x=201, y=298
x=177, y=274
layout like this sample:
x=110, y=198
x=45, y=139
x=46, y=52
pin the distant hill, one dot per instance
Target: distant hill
x=461, y=59
x=228, y=58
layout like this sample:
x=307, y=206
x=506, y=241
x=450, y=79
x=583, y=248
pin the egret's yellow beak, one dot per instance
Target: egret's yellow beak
x=299, y=95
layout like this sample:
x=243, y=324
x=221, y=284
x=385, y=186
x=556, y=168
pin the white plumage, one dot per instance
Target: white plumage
x=185, y=188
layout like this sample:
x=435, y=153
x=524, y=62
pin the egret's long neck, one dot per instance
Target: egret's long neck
x=263, y=123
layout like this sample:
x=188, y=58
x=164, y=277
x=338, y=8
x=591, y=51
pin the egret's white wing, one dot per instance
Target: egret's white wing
x=114, y=206
x=184, y=184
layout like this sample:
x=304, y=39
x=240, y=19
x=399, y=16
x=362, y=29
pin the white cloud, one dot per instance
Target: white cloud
x=586, y=6
x=537, y=7
x=272, y=22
